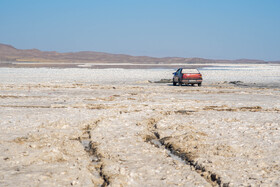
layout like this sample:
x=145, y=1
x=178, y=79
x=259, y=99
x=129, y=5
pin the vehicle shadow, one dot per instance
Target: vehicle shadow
x=185, y=85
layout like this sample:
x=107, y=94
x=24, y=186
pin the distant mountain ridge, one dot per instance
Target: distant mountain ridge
x=10, y=53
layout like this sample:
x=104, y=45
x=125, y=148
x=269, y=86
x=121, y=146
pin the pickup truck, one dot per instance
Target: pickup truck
x=187, y=76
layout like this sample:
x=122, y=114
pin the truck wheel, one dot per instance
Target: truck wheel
x=199, y=84
x=174, y=83
x=180, y=83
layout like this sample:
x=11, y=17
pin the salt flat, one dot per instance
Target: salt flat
x=115, y=127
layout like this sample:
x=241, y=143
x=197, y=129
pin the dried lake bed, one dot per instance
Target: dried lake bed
x=116, y=127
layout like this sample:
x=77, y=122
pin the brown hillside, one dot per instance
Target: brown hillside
x=10, y=53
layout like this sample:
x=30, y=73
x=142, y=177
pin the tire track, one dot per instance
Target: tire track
x=91, y=148
x=129, y=161
x=155, y=138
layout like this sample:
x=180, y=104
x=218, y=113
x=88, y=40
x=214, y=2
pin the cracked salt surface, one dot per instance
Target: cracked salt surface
x=49, y=116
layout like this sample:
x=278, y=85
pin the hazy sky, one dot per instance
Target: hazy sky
x=216, y=29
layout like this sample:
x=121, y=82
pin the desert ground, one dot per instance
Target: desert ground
x=119, y=127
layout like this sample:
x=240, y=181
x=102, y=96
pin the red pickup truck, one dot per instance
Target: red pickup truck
x=187, y=76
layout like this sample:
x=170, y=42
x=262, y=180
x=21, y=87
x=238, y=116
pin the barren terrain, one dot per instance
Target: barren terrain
x=116, y=127
x=38, y=58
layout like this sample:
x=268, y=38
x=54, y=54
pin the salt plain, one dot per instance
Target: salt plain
x=98, y=127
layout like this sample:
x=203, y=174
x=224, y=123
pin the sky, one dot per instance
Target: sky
x=214, y=29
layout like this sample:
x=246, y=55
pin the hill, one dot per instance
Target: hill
x=10, y=53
